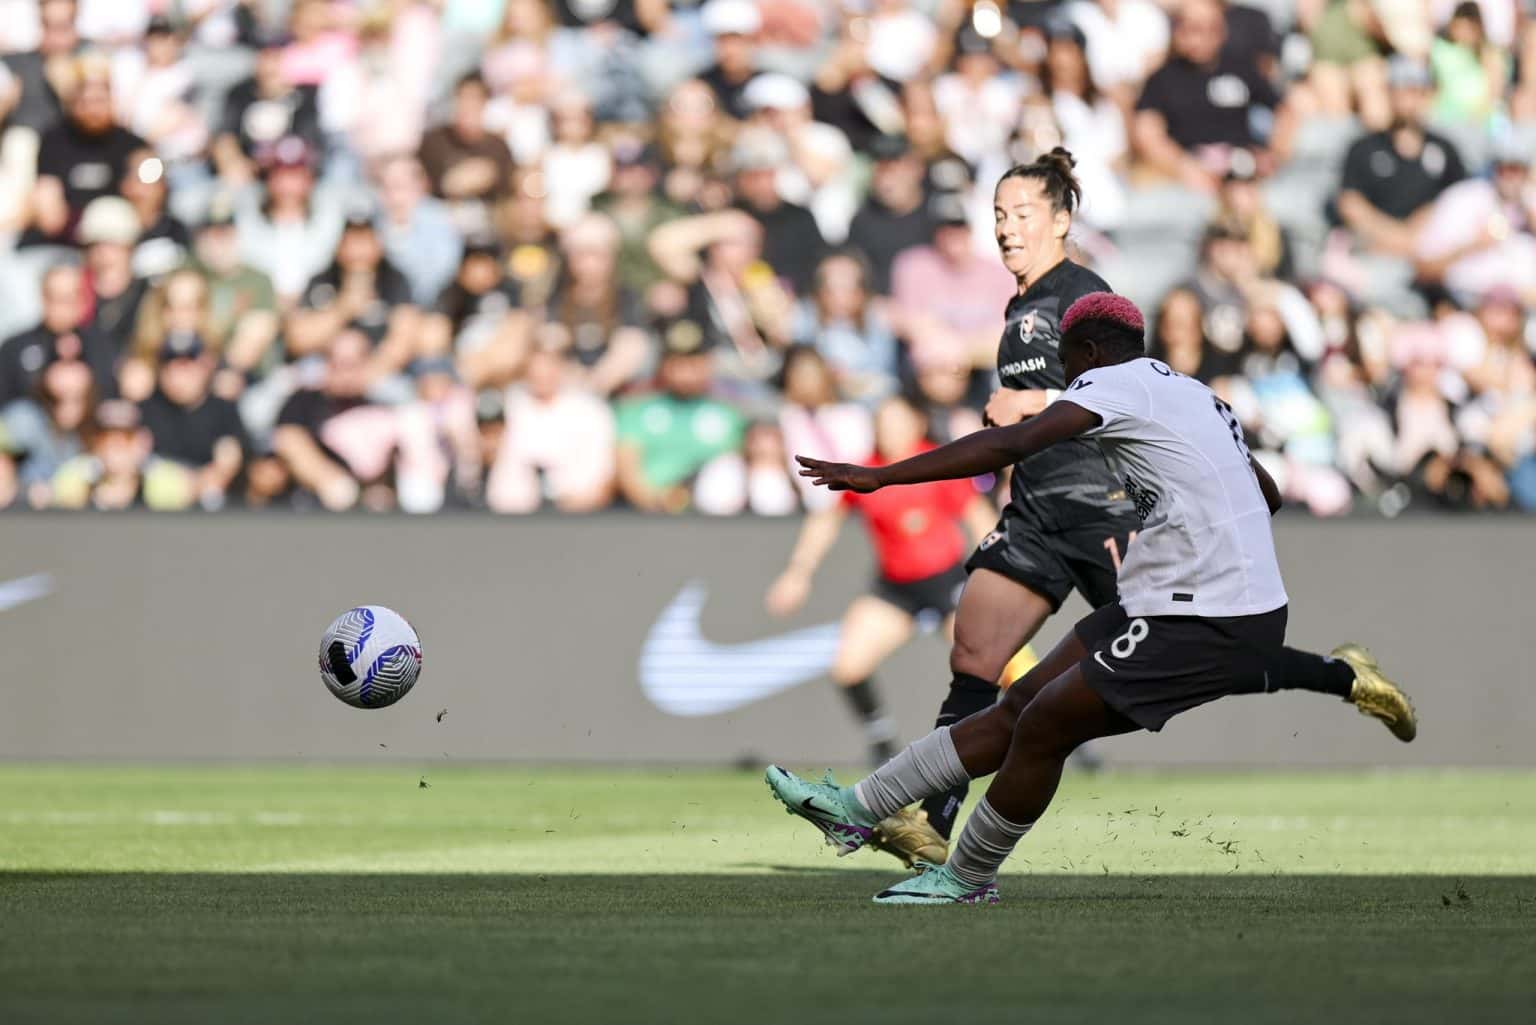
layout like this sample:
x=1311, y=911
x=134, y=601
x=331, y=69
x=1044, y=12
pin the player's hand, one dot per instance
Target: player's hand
x=838, y=476
x=788, y=593
x=1008, y=406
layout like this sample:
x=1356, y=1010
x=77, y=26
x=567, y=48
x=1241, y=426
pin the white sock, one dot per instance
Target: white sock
x=928, y=766
x=985, y=842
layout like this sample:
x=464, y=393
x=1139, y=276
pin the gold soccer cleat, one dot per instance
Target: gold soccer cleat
x=1375, y=695
x=909, y=837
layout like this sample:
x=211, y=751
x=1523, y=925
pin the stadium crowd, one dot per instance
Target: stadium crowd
x=519, y=254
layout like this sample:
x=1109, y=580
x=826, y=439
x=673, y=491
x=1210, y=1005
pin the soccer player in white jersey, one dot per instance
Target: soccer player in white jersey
x=1201, y=610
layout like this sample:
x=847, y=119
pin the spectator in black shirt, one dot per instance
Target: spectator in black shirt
x=363, y=290
x=792, y=243
x=479, y=320
x=895, y=216
x=1202, y=104
x=164, y=242
x=190, y=425
x=301, y=439
x=80, y=159
x=734, y=25
x=60, y=335
x=261, y=110
x=1390, y=178
x=1251, y=38
x=593, y=317
x=42, y=71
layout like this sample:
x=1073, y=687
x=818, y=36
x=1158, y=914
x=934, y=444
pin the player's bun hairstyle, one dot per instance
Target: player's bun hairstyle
x=1054, y=172
x=1113, y=321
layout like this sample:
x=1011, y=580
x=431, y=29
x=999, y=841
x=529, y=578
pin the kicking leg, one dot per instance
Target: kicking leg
x=997, y=616
x=871, y=631
x=1063, y=715
x=1350, y=673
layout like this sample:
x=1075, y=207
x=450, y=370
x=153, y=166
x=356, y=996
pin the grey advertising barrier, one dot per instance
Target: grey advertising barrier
x=623, y=639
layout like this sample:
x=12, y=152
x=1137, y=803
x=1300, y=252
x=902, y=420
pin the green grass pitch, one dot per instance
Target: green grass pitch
x=356, y=894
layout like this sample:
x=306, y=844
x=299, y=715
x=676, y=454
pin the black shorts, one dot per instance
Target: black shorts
x=929, y=598
x=1051, y=563
x=1151, y=668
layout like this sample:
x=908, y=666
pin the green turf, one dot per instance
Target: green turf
x=320, y=894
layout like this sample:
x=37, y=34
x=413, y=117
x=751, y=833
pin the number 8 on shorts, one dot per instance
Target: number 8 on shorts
x=1125, y=644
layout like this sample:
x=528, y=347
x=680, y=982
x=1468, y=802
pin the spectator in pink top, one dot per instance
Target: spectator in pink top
x=320, y=44
x=815, y=422
x=949, y=299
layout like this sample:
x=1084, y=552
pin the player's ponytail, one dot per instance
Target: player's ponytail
x=1054, y=171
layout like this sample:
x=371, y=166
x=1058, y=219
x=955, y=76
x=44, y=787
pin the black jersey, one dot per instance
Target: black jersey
x=1069, y=483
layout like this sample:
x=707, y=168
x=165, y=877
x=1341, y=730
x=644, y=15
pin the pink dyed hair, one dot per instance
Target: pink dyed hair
x=1105, y=306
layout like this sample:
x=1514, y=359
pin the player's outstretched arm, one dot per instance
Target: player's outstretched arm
x=983, y=452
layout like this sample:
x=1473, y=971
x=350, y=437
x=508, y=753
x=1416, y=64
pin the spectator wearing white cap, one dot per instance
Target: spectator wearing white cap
x=819, y=172
x=734, y=26
x=109, y=231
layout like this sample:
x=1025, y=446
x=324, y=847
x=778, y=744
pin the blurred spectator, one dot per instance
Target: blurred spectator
x=815, y=422
x=667, y=440
x=191, y=426
x=948, y=301
x=1125, y=41
x=576, y=166
x=1203, y=103
x=1091, y=125
x=330, y=452
x=45, y=430
x=792, y=242
x=112, y=475
x=1348, y=70
x=362, y=290
x=591, y=315
x=733, y=297
x=941, y=395
x=46, y=74
x=61, y=334
x=163, y=240
x=467, y=166
x=733, y=25
x=289, y=230
x=895, y=217
x=109, y=231
x=558, y=443
x=242, y=317
x=816, y=172
x=81, y=158
x=693, y=135
x=1470, y=71
x=438, y=441
x=1391, y=177
x=1241, y=208
x=847, y=325
x=319, y=44
x=177, y=307
x=979, y=106
x=900, y=41
x=637, y=209
x=1178, y=339
x=400, y=48
x=260, y=112
x=477, y=320
x=156, y=91
x=1478, y=236
x=1223, y=280
x=419, y=235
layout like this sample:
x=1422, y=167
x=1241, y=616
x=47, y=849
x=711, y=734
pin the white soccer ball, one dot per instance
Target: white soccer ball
x=370, y=657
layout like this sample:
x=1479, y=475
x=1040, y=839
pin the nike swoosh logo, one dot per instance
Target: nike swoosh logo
x=808, y=806
x=684, y=674
x=1098, y=656
x=24, y=589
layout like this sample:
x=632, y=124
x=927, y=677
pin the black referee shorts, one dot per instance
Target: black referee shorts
x=931, y=598
x=1151, y=668
x=1052, y=563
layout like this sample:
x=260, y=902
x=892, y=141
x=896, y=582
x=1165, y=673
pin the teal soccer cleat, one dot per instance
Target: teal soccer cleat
x=830, y=808
x=936, y=884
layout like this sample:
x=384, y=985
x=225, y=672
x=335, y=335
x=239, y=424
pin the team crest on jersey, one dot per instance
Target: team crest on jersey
x=1027, y=326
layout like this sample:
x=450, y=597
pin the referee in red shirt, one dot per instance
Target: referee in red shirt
x=920, y=540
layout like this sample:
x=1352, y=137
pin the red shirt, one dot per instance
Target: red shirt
x=916, y=529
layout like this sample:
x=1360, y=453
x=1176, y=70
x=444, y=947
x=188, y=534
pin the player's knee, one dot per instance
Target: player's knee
x=970, y=656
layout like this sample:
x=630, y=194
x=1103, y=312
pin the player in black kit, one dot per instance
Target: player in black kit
x=1068, y=521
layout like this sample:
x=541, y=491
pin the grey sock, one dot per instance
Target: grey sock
x=987, y=839
x=928, y=766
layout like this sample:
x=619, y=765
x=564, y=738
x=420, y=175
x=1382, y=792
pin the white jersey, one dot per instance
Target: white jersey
x=1205, y=547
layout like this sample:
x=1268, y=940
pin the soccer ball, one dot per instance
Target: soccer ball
x=370, y=657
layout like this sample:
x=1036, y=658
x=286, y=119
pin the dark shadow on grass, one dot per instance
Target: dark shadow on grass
x=779, y=944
